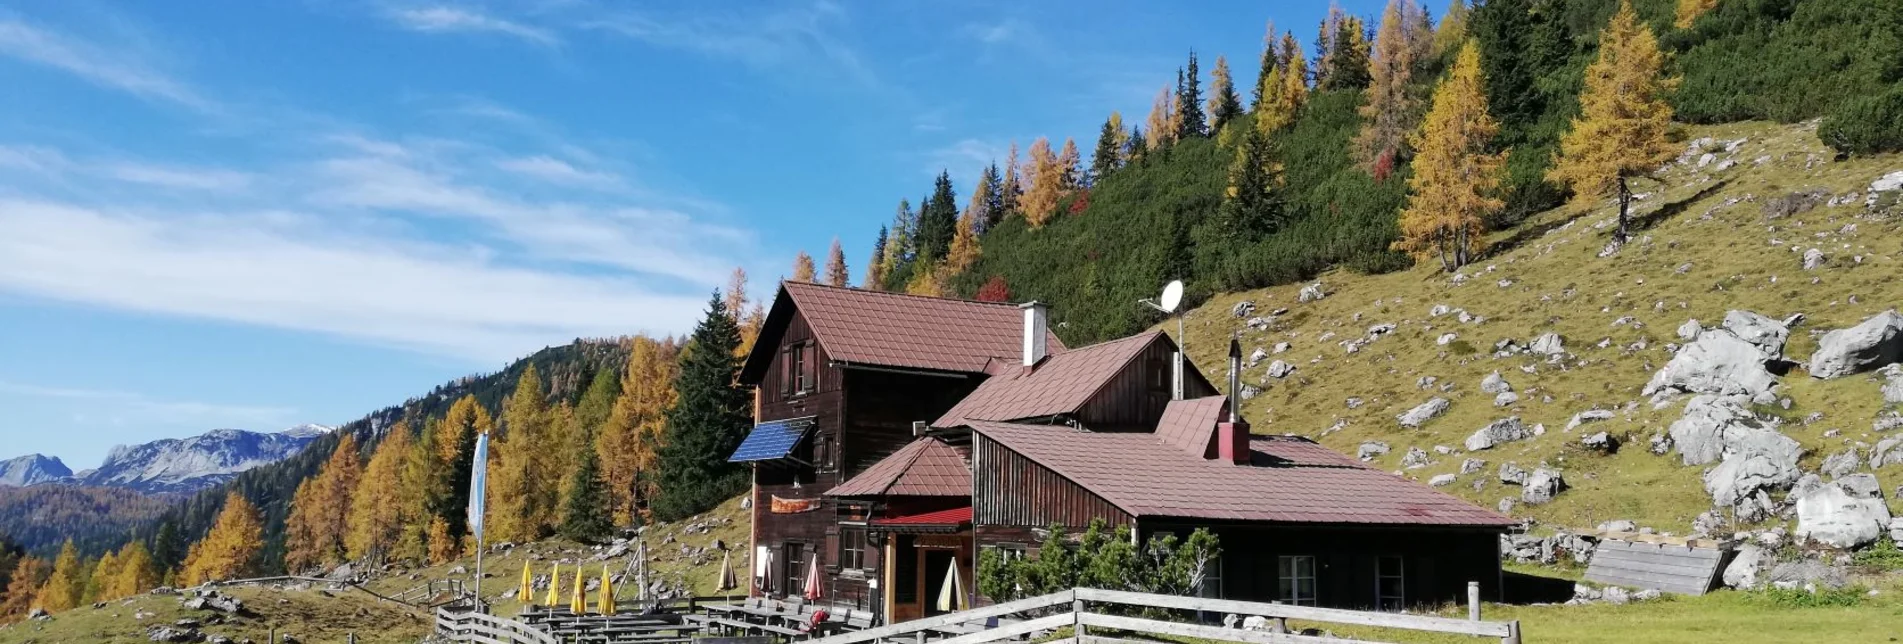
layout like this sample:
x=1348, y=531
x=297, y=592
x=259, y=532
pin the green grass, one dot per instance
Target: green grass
x=301, y=613
x=1558, y=284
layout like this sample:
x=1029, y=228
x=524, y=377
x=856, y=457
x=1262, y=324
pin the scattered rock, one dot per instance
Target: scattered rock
x=1311, y=293
x=1548, y=344
x=1876, y=341
x=1846, y=513
x=1439, y=310
x=1446, y=339
x=1495, y=384
x=1767, y=334
x=1414, y=458
x=1279, y=348
x=1505, y=398
x=1511, y=474
x=1353, y=402
x=1441, y=480
x=1243, y=309
x=170, y=634
x=1742, y=573
x=1797, y=574
x=1472, y=465
x=1814, y=259
x=1588, y=416
x=1888, y=451
x=1500, y=431
x=1371, y=449
x=1841, y=463
x=1541, y=486
x=1423, y=412
x=1718, y=362
x=1280, y=369
x=1619, y=525
x=1601, y=442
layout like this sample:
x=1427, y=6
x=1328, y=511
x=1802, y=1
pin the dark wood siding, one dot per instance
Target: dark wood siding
x=884, y=406
x=1015, y=491
x=1134, y=399
x=826, y=403
x=1436, y=563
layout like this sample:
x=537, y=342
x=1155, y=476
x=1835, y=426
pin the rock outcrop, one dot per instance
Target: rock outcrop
x=1873, y=343
x=1721, y=361
x=1846, y=513
x=1423, y=412
x=1505, y=430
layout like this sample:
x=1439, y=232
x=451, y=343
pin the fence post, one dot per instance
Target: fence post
x=1513, y=633
x=1473, y=600
x=1077, y=618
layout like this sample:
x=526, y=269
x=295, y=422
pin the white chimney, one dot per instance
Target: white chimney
x=1036, y=327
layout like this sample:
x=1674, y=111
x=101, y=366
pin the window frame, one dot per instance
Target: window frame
x=1289, y=577
x=793, y=572
x=1399, y=576
x=850, y=557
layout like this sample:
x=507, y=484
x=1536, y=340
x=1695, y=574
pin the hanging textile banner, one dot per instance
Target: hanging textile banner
x=793, y=506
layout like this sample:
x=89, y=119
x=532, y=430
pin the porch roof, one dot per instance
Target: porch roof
x=925, y=467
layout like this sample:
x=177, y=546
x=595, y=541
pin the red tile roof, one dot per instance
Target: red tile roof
x=1060, y=384
x=926, y=467
x=1190, y=425
x=954, y=516
x=1290, y=480
x=912, y=331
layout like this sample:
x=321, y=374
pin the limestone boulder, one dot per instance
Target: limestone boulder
x=1718, y=362
x=1423, y=412
x=1541, y=486
x=1745, y=568
x=1846, y=513
x=1504, y=430
x=1873, y=343
x=1767, y=334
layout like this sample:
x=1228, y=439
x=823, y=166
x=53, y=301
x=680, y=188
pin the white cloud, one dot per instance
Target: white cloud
x=792, y=36
x=115, y=70
x=557, y=171
x=147, y=409
x=965, y=159
x=292, y=271
x=442, y=19
x=213, y=179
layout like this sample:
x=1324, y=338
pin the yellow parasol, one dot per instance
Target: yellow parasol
x=554, y=584
x=579, y=604
x=527, y=592
x=607, y=603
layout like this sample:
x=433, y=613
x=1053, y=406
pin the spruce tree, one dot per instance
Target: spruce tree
x=1109, y=153
x=705, y=425
x=585, y=515
x=875, y=267
x=1189, y=97
x=456, y=451
x=1263, y=86
x=168, y=548
x=937, y=220
x=995, y=206
x=1347, y=63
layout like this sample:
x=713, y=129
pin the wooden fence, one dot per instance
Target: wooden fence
x=1081, y=620
x=483, y=628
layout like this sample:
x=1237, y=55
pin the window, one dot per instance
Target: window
x=793, y=567
x=797, y=355
x=823, y=452
x=1157, y=374
x=852, y=547
x=1390, y=584
x=809, y=367
x=1295, y=579
x=1211, y=587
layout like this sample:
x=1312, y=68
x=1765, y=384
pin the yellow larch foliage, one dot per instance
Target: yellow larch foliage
x=421, y=479
x=1159, y=130
x=1040, y=201
x=230, y=550
x=1287, y=88
x=836, y=273
x=803, y=268
x=380, y=508
x=735, y=299
x=1454, y=181
x=1690, y=10
x=442, y=548
x=23, y=588
x=101, y=579
x=1389, y=109
x=629, y=443
x=522, y=504
x=1452, y=30
x=1120, y=140
x=925, y=283
x=320, y=510
x=135, y=572
x=1623, y=117
x=66, y=587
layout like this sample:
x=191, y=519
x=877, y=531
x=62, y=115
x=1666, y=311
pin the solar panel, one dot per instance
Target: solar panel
x=772, y=439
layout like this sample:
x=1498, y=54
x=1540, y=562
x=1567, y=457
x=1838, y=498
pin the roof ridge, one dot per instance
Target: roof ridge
x=959, y=300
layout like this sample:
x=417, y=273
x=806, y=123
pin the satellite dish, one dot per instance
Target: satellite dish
x=1172, y=296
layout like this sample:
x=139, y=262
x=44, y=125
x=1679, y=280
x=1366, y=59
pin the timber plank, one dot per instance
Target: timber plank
x=1307, y=613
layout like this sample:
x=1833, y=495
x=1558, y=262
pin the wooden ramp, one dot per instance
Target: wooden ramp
x=1685, y=566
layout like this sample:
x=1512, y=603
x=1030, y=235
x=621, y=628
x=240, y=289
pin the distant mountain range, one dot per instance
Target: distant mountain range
x=173, y=465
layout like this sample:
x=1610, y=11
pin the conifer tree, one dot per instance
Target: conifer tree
x=1224, y=105
x=1040, y=202
x=231, y=549
x=1110, y=143
x=836, y=273
x=136, y=572
x=1264, y=85
x=1326, y=39
x=66, y=587
x=1286, y=89
x=937, y=221
x=1388, y=112
x=1453, y=28
x=1347, y=63
x=1623, y=117
x=1013, y=185
x=1251, y=207
x=875, y=267
x=1689, y=11
x=456, y=449
x=1189, y=99
x=23, y=587
x=994, y=199
x=1417, y=27
x=1068, y=178
x=1159, y=128
x=982, y=199
x=585, y=515
x=521, y=500
x=168, y=548
x=709, y=420
x=443, y=547
x=629, y=441
x=378, y=510
x=803, y=270
x=736, y=294
x=896, y=266
x=1454, y=180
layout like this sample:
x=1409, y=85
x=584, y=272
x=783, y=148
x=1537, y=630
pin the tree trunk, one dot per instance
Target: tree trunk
x=1625, y=205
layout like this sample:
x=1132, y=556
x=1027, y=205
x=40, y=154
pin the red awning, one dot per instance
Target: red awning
x=951, y=520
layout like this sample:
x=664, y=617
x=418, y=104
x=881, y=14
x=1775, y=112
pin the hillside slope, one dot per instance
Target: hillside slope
x=1703, y=246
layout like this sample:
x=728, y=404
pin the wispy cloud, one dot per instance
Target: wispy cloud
x=116, y=70
x=804, y=37
x=445, y=19
x=965, y=159
x=557, y=171
x=148, y=409
x=213, y=179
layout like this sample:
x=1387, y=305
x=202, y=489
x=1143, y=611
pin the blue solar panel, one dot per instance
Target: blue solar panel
x=771, y=440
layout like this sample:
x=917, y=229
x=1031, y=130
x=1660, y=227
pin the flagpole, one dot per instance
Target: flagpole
x=478, y=485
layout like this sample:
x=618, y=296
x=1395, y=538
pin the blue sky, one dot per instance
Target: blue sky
x=232, y=213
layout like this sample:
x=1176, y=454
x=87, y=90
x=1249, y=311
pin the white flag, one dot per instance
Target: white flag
x=478, y=479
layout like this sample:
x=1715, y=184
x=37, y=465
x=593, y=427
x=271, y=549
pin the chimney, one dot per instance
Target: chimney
x=1036, y=326
x=1232, y=436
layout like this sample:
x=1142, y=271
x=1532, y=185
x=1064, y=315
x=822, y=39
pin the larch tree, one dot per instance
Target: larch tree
x=456, y=450
x=875, y=277
x=898, y=247
x=379, y=511
x=1346, y=66
x=711, y=417
x=1068, y=177
x=422, y=474
x=1388, y=112
x=521, y=490
x=1110, y=145
x=1452, y=30
x=1327, y=38
x=736, y=300
x=590, y=414
x=67, y=585
x=135, y=572
x=1286, y=87
x=1264, y=85
x=1417, y=28
x=983, y=197
x=1191, y=121
x=628, y=444
x=1623, y=117
x=1159, y=129
x=1224, y=104
x=836, y=273
x=1040, y=202
x=1455, y=179
x=23, y=587
x=803, y=270
x=1689, y=11
x=230, y=550
x=320, y=510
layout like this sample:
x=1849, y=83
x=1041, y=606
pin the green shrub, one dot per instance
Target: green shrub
x=1823, y=598
x=1102, y=558
x=1462, y=348
x=1786, y=60
x=1883, y=556
x=1866, y=125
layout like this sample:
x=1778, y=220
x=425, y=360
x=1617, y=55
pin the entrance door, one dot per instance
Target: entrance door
x=937, y=564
